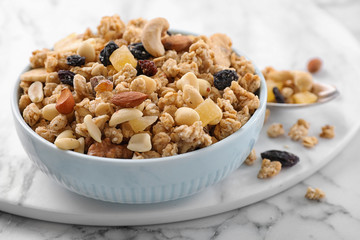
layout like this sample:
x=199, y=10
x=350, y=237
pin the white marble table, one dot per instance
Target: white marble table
x=25, y=26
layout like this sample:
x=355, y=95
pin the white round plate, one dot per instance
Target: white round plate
x=272, y=38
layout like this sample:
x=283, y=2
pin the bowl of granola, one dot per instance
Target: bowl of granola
x=136, y=114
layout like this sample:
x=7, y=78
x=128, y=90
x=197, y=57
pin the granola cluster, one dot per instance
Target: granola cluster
x=299, y=132
x=136, y=91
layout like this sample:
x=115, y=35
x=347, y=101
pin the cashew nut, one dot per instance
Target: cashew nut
x=151, y=36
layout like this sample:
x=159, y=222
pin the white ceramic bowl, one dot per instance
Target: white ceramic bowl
x=141, y=181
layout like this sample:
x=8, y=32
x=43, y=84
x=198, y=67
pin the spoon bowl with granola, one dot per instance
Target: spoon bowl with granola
x=136, y=114
x=296, y=89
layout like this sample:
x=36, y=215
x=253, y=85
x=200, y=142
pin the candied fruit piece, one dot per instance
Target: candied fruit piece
x=223, y=78
x=94, y=81
x=139, y=124
x=138, y=50
x=106, y=53
x=122, y=56
x=304, y=97
x=209, y=112
x=103, y=86
x=146, y=67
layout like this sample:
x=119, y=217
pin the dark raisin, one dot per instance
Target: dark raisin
x=66, y=77
x=278, y=96
x=287, y=159
x=146, y=67
x=106, y=53
x=224, y=78
x=139, y=52
x=75, y=60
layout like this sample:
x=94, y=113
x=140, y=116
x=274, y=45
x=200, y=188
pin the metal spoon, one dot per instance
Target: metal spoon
x=325, y=93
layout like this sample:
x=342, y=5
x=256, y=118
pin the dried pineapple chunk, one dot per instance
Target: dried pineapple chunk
x=139, y=124
x=209, y=112
x=304, y=97
x=121, y=56
x=270, y=85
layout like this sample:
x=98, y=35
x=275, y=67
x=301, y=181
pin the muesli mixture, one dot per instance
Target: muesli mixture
x=137, y=91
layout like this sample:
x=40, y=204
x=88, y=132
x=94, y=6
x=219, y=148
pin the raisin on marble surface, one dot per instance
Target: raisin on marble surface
x=287, y=159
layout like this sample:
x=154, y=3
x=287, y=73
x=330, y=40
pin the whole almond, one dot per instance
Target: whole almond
x=177, y=43
x=128, y=99
x=65, y=103
x=314, y=65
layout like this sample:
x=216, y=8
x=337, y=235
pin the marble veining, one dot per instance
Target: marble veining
x=24, y=26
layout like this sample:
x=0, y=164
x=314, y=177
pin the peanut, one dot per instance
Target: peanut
x=93, y=130
x=66, y=134
x=123, y=115
x=35, y=92
x=186, y=116
x=204, y=87
x=188, y=78
x=191, y=96
x=67, y=143
x=87, y=50
x=303, y=80
x=49, y=112
x=81, y=148
x=143, y=84
x=140, y=142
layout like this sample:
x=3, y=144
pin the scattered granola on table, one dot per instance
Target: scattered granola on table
x=309, y=142
x=328, y=131
x=299, y=130
x=136, y=91
x=275, y=130
x=314, y=194
x=251, y=158
x=269, y=169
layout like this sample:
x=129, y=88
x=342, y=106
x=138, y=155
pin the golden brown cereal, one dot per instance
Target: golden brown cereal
x=299, y=130
x=24, y=101
x=31, y=114
x=269, y=168
x=314, y=194
x=327, y=131
x=177, y=110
